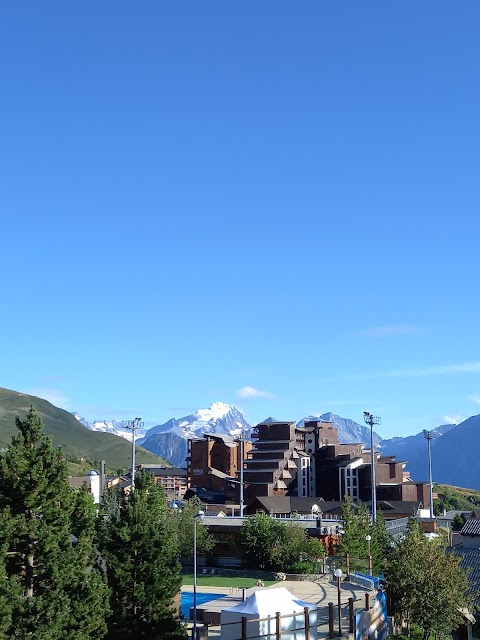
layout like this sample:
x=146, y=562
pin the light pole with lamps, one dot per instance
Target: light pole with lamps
x=133, y=425
x=317, y=514
x=371, y=420
x=242, y=440
x=368, y=539
x=429, y=435
x=199, y=515
x=338, y=574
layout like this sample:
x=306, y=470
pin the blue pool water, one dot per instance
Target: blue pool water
x=186, y=602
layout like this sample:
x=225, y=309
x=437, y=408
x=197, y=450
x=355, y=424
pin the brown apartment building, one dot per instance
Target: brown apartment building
x=213, y=463
x=287, y=460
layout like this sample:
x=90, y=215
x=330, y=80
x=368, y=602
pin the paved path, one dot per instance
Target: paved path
x=319, y=593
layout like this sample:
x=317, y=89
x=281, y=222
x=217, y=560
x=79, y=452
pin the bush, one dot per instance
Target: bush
x=303, y=567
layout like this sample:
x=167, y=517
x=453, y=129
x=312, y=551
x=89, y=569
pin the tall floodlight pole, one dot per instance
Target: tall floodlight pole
x=429, y=435
x=133, y=425
x=199, y=515
x=241, y=439
x=371, y=420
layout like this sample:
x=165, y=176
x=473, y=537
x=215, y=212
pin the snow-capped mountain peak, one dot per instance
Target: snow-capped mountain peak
x=220, y=418
x=116, y=427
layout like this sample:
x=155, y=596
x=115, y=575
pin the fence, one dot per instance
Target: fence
x=397, y=527
x=286, y=627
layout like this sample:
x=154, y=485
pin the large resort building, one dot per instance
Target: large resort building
x=288, y=460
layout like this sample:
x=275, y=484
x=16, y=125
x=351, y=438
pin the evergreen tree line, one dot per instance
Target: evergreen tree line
x=69, y=571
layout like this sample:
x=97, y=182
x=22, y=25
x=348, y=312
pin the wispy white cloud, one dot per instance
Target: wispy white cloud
x=454, y=419
x=389, y=330
x=55, y=396
x=475, y=397
x=417, y=372
x=440, y=370
x=251, y=392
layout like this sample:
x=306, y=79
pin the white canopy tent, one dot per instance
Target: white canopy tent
x=260, y=610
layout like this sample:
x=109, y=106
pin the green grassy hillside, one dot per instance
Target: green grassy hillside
x=67, y=432
x=455, y=498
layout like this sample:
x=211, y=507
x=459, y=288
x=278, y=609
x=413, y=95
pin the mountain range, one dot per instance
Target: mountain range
x=116, y=427
x=454, y=447
x=170, y=440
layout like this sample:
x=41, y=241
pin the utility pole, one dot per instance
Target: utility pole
x=134, y=425
x=371, y=420
x=429, y=435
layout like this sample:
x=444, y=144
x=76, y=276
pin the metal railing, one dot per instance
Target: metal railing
x=297, y=625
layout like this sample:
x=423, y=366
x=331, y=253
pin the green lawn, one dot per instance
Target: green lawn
x=222, y=581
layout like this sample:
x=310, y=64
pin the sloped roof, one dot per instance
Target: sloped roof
x=77, y=481
x=296, y=504
x=471, y=527
x=402, y=506
x=470, y=559
x=165, y=471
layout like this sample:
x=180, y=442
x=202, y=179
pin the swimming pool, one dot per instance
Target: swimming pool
x=186, y=601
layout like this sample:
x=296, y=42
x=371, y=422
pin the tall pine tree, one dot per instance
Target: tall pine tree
x=140, y=548
x=47, y=536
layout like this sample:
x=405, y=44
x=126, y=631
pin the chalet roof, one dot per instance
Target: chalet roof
x=296, y=504
x=77, y=481
x=402, y=506
x=471, y=527
x=205, y=495
x=301, y=504
x=165, y=471
x=470, y=559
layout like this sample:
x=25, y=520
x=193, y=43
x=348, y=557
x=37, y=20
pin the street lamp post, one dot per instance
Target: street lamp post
x=338, y=574
x=133, y=425
x=370, y=570
x=199, y=515
x=429, y=435
x=317, y=513
x=371, y=420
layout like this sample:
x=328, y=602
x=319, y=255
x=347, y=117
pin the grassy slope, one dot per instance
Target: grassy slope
x=67, y=432
x=452, y=498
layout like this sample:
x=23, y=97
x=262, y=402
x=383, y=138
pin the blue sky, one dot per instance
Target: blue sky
x=272, y=204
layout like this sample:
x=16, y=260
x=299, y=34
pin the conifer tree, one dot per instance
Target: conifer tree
x=140, y=548
x=356, y=525
x=62, y=595
x=381, y=545
x=9, y=589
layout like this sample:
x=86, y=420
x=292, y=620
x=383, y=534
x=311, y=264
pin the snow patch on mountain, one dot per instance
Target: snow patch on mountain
x=116, y=427
x=219, y=418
